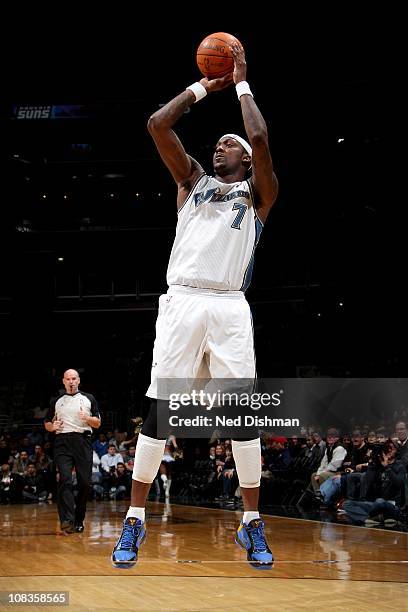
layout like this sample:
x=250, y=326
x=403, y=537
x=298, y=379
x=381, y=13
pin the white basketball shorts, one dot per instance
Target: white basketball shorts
x=202, y=334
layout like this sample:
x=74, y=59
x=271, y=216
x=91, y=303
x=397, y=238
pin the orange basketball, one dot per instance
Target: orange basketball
x=214, y=57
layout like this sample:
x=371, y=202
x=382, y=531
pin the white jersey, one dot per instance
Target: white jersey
x=217, y=232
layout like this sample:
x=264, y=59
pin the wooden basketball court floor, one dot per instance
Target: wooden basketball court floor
x=190, y=562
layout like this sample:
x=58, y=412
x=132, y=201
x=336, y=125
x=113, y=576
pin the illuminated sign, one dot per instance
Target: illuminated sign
x=48, y=111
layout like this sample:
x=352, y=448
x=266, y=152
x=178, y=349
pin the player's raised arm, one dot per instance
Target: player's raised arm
x=184, y=169
x=263, y=178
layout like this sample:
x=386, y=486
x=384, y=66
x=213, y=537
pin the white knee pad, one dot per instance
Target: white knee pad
x=148, y=456
x=247, y=456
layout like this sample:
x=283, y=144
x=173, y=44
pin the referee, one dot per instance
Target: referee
x=72, y=416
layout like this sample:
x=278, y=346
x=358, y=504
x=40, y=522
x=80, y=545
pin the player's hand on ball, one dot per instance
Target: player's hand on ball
x=217, y=84
x=240, y=67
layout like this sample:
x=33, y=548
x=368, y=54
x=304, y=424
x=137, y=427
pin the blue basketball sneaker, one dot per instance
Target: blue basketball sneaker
x=251, y=537
x=132, y=537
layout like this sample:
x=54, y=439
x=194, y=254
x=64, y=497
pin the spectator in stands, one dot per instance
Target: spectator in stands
x=332, y=460
x=385, y=490
x=218, y=465
x=277, y=455
x=101, y=445
x=34, y=487
x=10, y=485
x=110, y=459
x=43, y=461
x=358, y=455
x=346, y=442
x=401, y=432
x=229, y=462
x=119, y=482
x=228, y=444
x=295, y=447
x=117, y=440
x=319, y=445
x=37, y=451
x=20, y=465
x=307, y=448
x=129, y=458
x=229, y=476
x=348, y=482
x=219, y=455
x=381, y=435
x=371, y=439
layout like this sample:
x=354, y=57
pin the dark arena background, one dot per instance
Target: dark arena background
x=88, y=218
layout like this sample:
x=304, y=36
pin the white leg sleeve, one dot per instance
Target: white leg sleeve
x=247, y=456
x=148, y=456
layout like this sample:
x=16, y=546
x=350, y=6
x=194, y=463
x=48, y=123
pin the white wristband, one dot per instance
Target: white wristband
x=198, y=90
x=243, y=88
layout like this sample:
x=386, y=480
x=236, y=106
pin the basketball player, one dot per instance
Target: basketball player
x=204, y=315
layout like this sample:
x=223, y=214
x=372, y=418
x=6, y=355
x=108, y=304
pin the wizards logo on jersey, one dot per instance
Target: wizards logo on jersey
x=204, y=196
x=214, y=195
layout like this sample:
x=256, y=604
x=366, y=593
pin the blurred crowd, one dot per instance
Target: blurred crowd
x=361, y=476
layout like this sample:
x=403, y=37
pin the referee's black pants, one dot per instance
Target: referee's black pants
x=73, y=450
